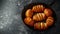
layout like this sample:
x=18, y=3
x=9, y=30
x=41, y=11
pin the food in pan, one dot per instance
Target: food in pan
x=37, y=26
x=48, y=12
x=49, y=21
x=40, y=26
x=29, y=21
x=38, y=8
x=39, y=17
x=29, y=13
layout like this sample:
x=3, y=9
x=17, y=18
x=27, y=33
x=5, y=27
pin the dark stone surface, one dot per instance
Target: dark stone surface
x=11, y=21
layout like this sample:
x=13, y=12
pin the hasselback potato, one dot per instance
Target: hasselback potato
x=29, y=21
x=49, y=21
x=48, y=12
x=29, y=13
x=38, y=8
x=39, y=17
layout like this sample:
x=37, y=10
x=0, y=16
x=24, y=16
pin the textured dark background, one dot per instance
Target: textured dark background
x=11, y=21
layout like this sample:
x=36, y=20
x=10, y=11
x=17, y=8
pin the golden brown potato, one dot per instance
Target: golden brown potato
x=29, y=13
x=37, y=26
x=39, y=17
x=40, y=26
x=48, y=12
x=29, y=21
x=49, y=21
x=38, y=8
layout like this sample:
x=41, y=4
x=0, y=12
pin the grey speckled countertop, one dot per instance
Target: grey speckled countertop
x=11, y=21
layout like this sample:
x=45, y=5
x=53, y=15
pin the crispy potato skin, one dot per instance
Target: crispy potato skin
x=40, y=26
x=29, y=21
x=37, y=26
x=39, y=17
x=38, y=8
x=48, y=12
x=29, y=13
x=49, y=21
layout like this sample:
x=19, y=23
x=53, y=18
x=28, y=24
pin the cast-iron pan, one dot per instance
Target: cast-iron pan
x=29, y=6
